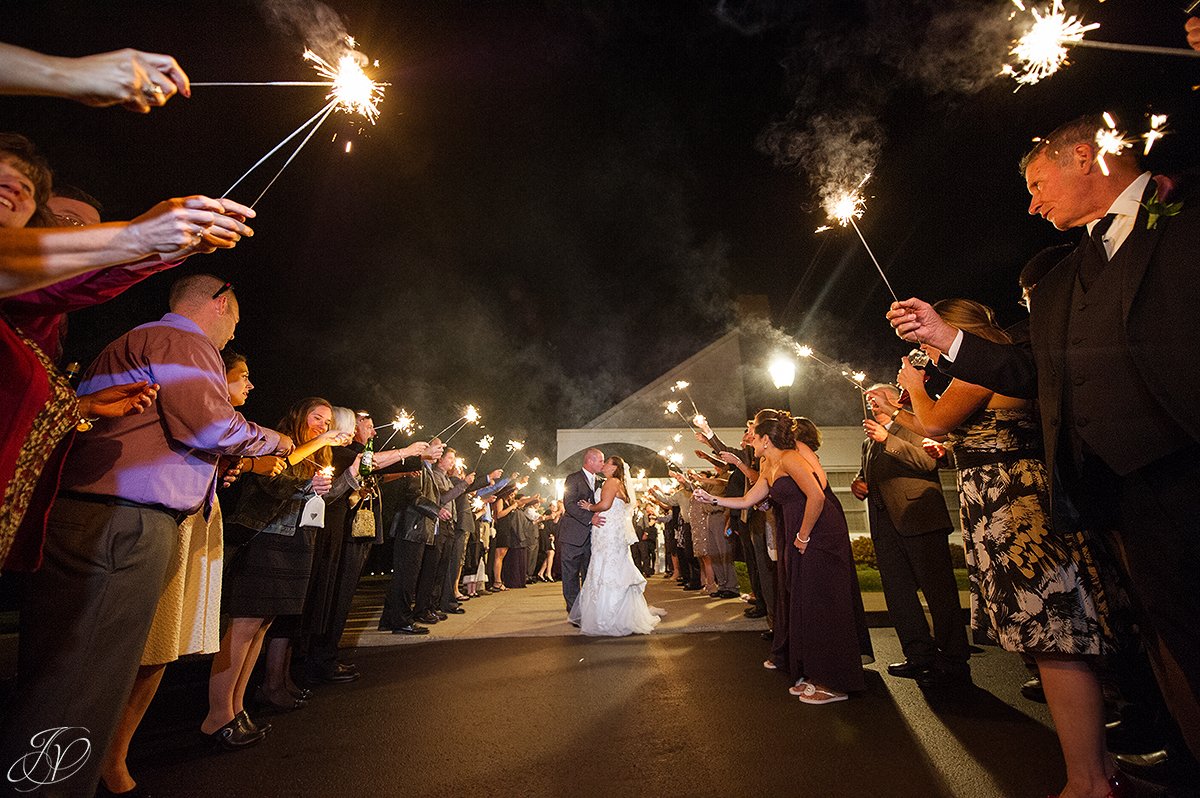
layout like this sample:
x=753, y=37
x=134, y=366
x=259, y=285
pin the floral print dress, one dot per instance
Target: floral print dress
x=1035, y=587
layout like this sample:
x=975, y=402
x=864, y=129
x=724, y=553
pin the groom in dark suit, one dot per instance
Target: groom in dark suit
x=1112, y=361
x=575, y=529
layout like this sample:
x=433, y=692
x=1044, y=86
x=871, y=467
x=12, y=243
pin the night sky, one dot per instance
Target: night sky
x=561, y=200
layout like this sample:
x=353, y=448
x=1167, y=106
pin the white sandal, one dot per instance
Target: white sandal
x=799, y=687
x=771, y=666
x=811, y=694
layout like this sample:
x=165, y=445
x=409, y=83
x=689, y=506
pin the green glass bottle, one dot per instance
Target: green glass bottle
x=367, y=464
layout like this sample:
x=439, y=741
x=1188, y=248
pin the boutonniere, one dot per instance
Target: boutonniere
x=1156, y=208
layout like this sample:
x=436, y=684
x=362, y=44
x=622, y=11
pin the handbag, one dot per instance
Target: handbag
x=363, y=525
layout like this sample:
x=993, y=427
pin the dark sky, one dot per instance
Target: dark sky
x=561, y=199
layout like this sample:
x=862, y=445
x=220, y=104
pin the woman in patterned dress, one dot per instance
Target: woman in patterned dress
x=1035, y=587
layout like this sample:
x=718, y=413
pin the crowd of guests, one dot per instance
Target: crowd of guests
x=1076, y=461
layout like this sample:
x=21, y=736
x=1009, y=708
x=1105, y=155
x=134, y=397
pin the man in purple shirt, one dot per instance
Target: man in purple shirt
x=113, y=530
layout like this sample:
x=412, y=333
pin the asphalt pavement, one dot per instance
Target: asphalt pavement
x=676, y=713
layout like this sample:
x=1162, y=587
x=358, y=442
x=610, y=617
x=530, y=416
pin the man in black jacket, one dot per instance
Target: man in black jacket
x=909, y=525
x=1112, y=362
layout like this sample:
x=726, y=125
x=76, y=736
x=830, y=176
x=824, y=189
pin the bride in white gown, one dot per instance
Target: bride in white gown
x=611, y=601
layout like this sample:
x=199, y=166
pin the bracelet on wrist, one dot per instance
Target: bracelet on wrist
x=803, y=540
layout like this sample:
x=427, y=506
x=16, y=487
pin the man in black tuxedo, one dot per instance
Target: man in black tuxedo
x=575, y=528
x=1112, y=362
x=909, y=525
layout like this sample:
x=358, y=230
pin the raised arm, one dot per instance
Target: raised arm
x=755, y=495
x=958, y=402
x=133, y=79
x=35, y=257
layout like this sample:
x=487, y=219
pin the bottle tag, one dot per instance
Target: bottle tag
x=314, y=513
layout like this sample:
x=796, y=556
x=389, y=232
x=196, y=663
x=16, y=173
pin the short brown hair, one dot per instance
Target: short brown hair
x=1058, y=145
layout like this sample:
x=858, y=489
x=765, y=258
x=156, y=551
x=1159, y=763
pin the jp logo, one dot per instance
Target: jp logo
x=57, y=755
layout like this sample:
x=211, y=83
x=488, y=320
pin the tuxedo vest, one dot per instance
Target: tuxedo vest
x=1108, y=408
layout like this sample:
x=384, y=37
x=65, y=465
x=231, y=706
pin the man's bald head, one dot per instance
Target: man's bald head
x=209, y=302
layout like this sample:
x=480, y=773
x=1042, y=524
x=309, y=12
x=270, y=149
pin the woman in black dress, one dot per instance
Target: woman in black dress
x=817, y=620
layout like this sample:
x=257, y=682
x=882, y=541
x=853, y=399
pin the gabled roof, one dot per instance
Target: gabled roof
x=715, y=374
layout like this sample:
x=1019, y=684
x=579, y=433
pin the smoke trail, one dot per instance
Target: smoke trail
x=320, y=27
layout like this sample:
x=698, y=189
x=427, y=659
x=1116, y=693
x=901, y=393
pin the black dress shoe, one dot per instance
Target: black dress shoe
x=338, y=674
x=411, y=629
x=428, y=617
x=934, y=679
x=755, y=612
x=302, y=693
x=456, y=611
x=725, y=594
x=768, y=635
x=267, y=704
x=233, y=736
x=906, y=669
x=691, y=587
x=441, y=616
x=251, y=726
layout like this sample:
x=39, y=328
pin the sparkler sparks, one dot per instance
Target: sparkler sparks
x=671, y=407
x=677, y=437
x=676, y=458
x=699, y=420
x=352, y=89
x=534, y=463
x=1109, y=141
x=845, y=206
x=1156, y=131
x=403, y=422
x=485, y=442
x=515, y=446
x=1042, y=50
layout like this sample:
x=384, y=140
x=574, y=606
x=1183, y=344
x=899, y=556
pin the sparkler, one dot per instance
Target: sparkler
x=513, y=447
x=1043, y=49
x=673, y=407
x=485, y=443
x=856, y=378
x=351, y=91
x=403, y=422
x=534, y=463
x=470, y=416
x=844, y=207
x=1109, y=141
x=682, y=387
x=1156, y=131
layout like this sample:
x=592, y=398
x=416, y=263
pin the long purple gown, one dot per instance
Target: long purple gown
x=819, y=620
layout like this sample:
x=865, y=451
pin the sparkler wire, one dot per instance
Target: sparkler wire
x=316, y=127
x=277, y=147
x=1137, y=48
x=268, y=83
x=873, y=260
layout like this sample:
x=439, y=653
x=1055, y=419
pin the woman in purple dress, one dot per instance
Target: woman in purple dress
x=818, y=620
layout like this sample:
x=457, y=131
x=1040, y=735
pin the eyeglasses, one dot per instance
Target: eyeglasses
x=223, y=289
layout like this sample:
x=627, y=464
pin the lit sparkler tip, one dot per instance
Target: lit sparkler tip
x=515, y=446
x=1156, y=131
x=354, y=90
x=460, y=464
x=641, y=473
x=485, y=442
x=699, y=420
x=844, y=206
x=804, y=350
x=677, y=437
x=1109, y=142
x=327, y=471
x=677, y=458
x=662, y=453
x=403, y=422
x=1042, y=50
x=543, y=480
x=858, y=376
x=471, y=414
x=672, y=407
x=534, y=463
x=680, y=385
x=822, y=228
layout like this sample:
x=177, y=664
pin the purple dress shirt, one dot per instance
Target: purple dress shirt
x=168, y=454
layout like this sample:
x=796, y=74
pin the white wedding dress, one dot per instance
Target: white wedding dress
x=611, y=601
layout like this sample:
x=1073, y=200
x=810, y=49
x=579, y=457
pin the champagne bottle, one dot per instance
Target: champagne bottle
x=367, y=463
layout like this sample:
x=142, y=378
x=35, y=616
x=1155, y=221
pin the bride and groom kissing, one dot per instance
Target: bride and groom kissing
x=602, y=586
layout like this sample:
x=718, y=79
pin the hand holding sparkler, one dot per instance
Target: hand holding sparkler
x=916, y=320
x=185, y=226
x=133, y=79
x=322, y=481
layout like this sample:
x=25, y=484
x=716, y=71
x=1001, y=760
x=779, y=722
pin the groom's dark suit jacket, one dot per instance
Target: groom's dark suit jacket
x=1149, y=370
x=575, y=528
